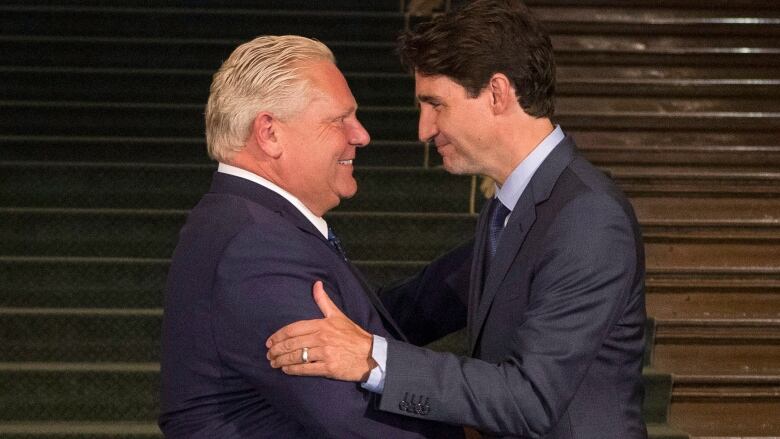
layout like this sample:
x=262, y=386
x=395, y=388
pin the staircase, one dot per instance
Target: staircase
x=102, y=154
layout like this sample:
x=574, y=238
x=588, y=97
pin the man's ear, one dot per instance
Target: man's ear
x=502, y=94
x=264, y=132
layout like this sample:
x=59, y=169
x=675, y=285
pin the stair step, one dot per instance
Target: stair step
x=80, y=334
x=71, y=282
x=717, y=346
x=682, y=4
x=613, y=148
x=397, y=123
x=82, y=282
x=707, y=208
x=687, y=181
x=664, y=431
x=727, y=406
x=387, y=153
x=661, y=88
x=91, y=392
x=83, y=430
x=171, y=53
x=170, y=86
x=744, y=157
x=74, y=282
x=153, y=233
x=664, y=51
x=703, y=199
x=654, y=21
x=369, y=56
x=706, y=199
x=172, y=150
x=709, y=251
x=704, y=76
x=127, y=185
x=679, y=105
x=191, y=86
x=712, y=293
x=136, y=120
x=593, y=139
x=351, y=24
x=302, y=5
x=200, y=23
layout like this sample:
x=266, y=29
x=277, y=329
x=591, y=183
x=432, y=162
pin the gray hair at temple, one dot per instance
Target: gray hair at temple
x=264, y=74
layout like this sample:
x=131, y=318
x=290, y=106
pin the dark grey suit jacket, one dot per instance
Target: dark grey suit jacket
x=243, y=268
x=556, y=332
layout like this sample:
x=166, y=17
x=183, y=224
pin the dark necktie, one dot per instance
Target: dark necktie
x=335, y=242
x=498, y=214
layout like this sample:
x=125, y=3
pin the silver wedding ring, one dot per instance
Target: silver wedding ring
x=305, y=355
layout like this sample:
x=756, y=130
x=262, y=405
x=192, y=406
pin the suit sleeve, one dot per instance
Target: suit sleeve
x=432, y=303
x=264, y=283
x=582, y=279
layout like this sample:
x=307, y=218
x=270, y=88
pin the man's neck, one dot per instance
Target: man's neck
x=517, y=143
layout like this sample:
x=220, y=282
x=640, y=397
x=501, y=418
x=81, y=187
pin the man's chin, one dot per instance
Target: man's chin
x=451, y=167
x=348, y=193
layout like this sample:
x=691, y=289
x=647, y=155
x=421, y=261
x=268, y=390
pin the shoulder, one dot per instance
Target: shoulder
x=586, y=191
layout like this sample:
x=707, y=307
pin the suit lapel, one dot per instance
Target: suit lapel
x=477, y=276
x=523, y=217
x=224, y=183
x=520, y=222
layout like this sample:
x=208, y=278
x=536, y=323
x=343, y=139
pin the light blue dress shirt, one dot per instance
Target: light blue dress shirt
x=509, y=193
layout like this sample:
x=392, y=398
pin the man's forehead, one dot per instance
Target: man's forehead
x=431, y=87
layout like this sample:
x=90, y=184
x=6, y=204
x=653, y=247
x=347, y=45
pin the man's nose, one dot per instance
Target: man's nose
x=359, y=136
x=426, y=128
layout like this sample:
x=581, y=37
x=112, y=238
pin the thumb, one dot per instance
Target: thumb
x=328, y=308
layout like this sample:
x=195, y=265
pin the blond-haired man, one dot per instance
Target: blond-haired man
x=281, y=122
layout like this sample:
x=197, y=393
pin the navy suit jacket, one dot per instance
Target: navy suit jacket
x=555, y=327
x=243, y=268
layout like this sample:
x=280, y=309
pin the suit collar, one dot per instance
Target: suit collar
x=229, y=184
x=523, y=217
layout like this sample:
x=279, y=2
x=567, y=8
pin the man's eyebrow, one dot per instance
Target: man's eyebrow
x=427, y=99
x=345, y=114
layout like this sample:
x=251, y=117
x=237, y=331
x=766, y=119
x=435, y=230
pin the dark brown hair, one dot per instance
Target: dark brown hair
x=483, y=38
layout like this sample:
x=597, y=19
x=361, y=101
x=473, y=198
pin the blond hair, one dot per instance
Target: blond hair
x=261, y=75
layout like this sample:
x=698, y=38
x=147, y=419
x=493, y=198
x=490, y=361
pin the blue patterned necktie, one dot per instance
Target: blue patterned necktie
x=335, y=242
x=498, y=214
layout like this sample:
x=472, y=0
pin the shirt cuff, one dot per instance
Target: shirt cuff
x=376, y=379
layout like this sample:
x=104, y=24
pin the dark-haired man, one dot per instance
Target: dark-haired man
x=555, y=312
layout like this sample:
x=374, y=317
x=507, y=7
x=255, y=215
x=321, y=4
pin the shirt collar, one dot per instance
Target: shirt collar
x=518, y=180
x=317, y=221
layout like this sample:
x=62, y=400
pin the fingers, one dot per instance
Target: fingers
x=292, y=345
x=310, y=369
x=328, y=308
x=296, y=329
x=296, y=357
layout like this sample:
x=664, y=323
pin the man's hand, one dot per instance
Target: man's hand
x=337, y=347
